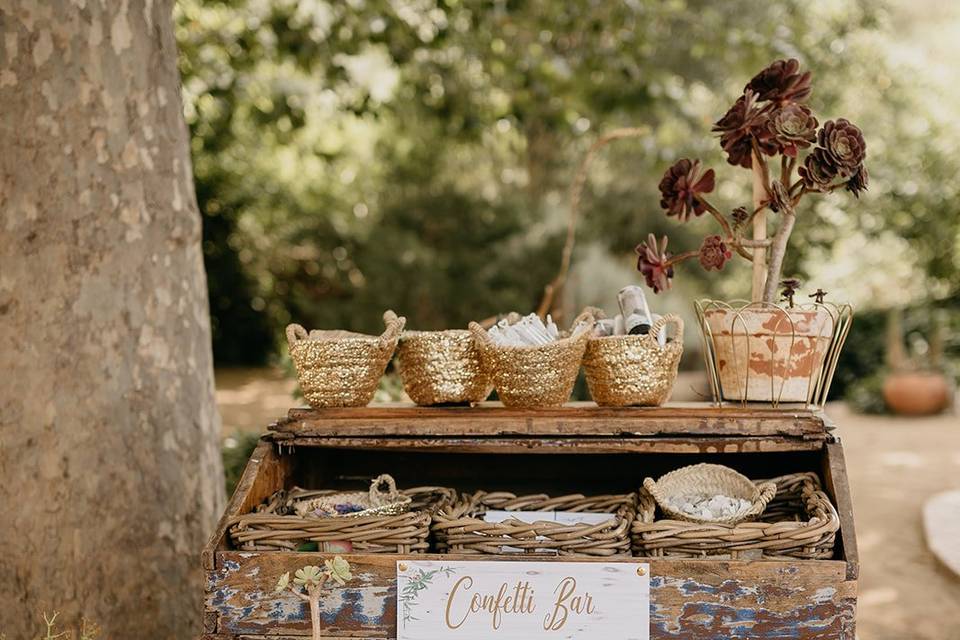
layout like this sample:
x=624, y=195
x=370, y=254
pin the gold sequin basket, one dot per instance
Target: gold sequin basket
x=634, y=370
x=534, y=376
x=342, y=368
x=442, y=367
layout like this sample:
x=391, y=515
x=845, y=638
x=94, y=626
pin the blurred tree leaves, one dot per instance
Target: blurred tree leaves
x=356, y=155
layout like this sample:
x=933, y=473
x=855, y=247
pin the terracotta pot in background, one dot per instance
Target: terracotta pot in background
x=917, y=393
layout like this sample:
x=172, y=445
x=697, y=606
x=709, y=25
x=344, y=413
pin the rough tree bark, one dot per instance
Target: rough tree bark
x=110, y=474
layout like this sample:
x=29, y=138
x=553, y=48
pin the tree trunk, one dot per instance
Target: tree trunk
x=110, y=475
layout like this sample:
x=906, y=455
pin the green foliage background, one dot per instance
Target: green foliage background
x=357, y=155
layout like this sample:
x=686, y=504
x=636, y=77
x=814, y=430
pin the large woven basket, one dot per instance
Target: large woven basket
x=710, y=479
x=342, y=368
x=800, y=522
x=460, y=528
x=634, y=370
x=533, y=377
x=442, y=367
x=275, y=527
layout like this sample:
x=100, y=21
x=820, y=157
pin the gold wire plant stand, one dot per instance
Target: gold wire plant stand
x=772, y=353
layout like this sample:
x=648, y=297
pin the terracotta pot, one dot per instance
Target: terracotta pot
x=767, y=354
x=916, y=393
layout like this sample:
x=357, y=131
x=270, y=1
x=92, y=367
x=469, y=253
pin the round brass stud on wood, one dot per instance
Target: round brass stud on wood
x=641, y=571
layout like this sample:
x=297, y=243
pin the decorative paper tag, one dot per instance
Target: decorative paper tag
x=520, y=600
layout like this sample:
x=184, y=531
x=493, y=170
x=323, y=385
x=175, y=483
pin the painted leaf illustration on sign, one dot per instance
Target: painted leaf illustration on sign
x=417, y=583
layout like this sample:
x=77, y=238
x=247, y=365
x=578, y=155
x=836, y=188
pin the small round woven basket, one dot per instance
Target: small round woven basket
x=442, y=367
x=533, y=377
x=382, y=499
x=710, y=479
x=634, y=370
x=342, y=368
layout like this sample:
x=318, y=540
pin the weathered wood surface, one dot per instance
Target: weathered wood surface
x=265, y=473
x=690, y=599
x=555, y=444
x=581, y=418
x=837, y=487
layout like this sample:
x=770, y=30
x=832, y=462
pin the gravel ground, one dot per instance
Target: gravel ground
x=894, y=465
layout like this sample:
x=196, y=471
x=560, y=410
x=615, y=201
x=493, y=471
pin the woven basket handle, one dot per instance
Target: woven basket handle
x=767, y=491
x=480, y=335
x=670, y=318
x=394, y=326
x=296, y=333
x=588, y=315
x=651, y=486
x=378, y=497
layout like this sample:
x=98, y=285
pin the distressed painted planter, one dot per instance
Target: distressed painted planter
x=690, y=598
x=766, y=353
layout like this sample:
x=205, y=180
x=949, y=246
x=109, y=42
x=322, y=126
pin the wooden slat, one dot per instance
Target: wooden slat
x=575, y=419
x=690, y=599
x=264, y=474
x=838, y=488
x=666, y=444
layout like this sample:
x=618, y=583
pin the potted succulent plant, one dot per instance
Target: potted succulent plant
x=761, y=350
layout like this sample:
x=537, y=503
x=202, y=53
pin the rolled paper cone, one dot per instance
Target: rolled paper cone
x=605, y=327
x=636, y=324
x=633, y=301
x=552, y=328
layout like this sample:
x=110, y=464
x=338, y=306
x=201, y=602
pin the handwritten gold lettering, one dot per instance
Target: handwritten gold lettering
x=504, y=601
x=567, y=601
x=453, y=591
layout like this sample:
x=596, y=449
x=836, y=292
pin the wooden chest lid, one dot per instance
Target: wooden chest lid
x=578, y=419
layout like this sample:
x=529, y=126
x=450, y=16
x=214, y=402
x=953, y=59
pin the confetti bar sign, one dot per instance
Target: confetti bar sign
x=522, y=600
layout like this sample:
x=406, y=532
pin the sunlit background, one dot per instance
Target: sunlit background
x=357, y=155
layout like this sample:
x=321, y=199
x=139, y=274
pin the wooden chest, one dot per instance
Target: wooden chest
x=578, y=448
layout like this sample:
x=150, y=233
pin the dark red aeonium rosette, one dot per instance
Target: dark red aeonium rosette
x=681, y=187
x=782, y=81
x=840, y=152
x=714, y=253
x=653, y=261
x=744, y=124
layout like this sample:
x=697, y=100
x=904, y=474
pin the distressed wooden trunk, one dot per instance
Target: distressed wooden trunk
x=578, y=448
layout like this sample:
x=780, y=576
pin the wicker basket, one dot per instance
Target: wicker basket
x=633, y=370
x=342, y=368
x=442, y=367
x=800, y=522
x=460, y=528
x=710, y=479
x=382, y=499
x=273, y=527
x=533, y=377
